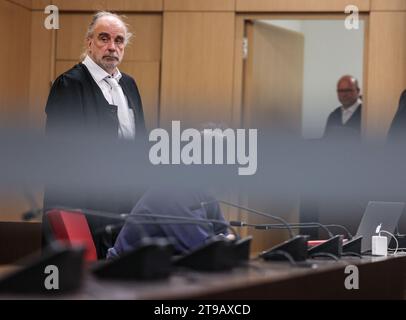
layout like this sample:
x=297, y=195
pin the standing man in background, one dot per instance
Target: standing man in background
x=345, y=121
x=343, y=125
x=94, y=99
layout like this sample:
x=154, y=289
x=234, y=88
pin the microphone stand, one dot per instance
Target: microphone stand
x=295, y=247
x=260, y=213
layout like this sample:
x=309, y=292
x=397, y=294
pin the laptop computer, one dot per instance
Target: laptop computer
x=378, y=214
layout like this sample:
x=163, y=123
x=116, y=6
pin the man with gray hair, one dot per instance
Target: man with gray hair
x=94, y=94
x=94, y=99
x=345, y=121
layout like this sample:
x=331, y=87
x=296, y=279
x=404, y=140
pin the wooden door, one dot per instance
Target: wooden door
x=273, y=78
x=272, y=102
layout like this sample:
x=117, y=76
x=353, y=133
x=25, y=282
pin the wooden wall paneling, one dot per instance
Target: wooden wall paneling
x=299, y=5
x=146, y=42
x=297, y=16
x=197, y=67
x=388, y=5
x=135, y=5
x=24, y=3
x=40, y=70
x=80, y=5
x=95, y=5
x=70, y=38
x=146, y=74
x=199, y=5
x=15, y=22
x=386, y=70
x=238, y=72
x=40, y=4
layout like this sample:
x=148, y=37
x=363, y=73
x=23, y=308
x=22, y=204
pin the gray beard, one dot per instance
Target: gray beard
x=108, y=67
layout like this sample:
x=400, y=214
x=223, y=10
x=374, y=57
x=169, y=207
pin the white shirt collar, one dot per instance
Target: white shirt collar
x=98, y=73
x=354, y=107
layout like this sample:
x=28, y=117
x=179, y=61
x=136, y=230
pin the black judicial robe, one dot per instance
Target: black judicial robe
x=77, y=103
x=77, y=107
x=397, y=131
x=336, y=129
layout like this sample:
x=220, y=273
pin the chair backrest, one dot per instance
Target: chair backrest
x=71, y=227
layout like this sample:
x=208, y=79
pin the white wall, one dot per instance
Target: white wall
x=294, y=25
x=330, y=52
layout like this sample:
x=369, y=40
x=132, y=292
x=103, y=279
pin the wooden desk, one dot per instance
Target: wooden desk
x=379, y=278
x=18, y=240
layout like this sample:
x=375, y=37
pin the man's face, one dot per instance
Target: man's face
x=347, y=92
x=106, y=46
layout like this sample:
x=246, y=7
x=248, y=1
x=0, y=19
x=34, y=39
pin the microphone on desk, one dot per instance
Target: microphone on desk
x=332, y=247
x=242, y=247
x=294, y=249
x=298, y=248
x=219, y=253
x=257, y=212
x=263, y=226
x=351, y=247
